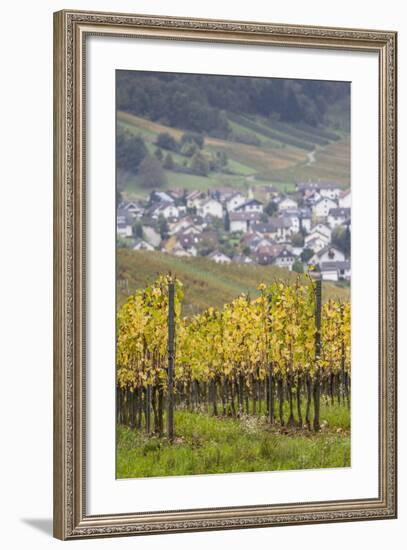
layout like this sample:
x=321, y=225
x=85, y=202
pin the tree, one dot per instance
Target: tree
x=189, y=148
x=158, y=154
x=197, y=103
x=264, y=217
x=218, y=160
x=163, y=227
x=130, y=151
x=166, y=141
x=297, y=239
x=137, y=229
x=199, y=165
x=151, y=173
x=341, y=239
x=298, y=267
x=193, y=137
x=271, y=208
x=168, y=163
x=227, y=221
x=306, y=254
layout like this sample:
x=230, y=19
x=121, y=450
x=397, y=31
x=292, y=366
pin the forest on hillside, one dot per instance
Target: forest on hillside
x=201, y=104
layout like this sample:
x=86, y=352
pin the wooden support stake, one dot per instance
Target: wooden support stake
x=171, y=348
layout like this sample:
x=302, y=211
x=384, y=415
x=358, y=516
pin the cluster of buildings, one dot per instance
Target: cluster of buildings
x=286, y=230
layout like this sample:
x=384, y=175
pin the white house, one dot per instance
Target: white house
x=192, y=230
x=189, y=242
x=286, y=203
x=234, y=201
x=338, y=216
x=179, y=225
x=278, y=229
x=161, y=196
x=345, y=199
x=305, y=219
x=252, y=205
x=261, y=243
x=219, y=257
x=242, y=221
x=271, y=192
x=297, y=250
x=329, y=271
x=210, y=207
x=123, y=223
x=302, y=186
x=165, y=209
x=293, y=216
x=283, y=228
x=265, y=229
x=328, y=254
x=124, y=229
x=321, y=208
x=322, y=229
x=326, y=189
x=140, y=244
x=316, y=242
x=134, y=208
x=311, y=196
x=306, y=224
x=285, y=259
x=335, y=271
x=194, y=198
x=329, y=190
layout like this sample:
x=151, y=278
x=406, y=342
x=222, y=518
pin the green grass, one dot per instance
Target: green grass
x=277, y=158
x=240, y=129
x=188, y=182
x=212, y=445
x=282, y=186
x=268, y=130
x=332, y=163
x=206, y=283
x=240, y=168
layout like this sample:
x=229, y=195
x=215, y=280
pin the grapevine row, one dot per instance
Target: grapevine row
x=269, y=355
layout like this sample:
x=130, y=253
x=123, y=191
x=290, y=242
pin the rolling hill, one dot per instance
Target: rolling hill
x=206, y=283
x=283, y=155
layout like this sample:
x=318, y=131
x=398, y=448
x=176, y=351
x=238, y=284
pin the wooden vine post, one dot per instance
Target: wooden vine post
x=342, y=356
x=317, y=381
x=171, y=352
x=270, y=376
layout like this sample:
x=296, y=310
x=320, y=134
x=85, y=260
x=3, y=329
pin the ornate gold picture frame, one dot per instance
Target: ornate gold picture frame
x=71, y=30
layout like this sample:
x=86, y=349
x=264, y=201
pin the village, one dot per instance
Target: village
x=309, y=226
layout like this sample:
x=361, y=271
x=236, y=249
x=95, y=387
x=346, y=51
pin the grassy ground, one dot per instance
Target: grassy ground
x=274, y=159
x=208, y=445
x=206, y=283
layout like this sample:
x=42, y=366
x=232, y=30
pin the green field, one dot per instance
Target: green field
x=206, y=283
x=189, y=181
x=282, y=156
x=210, y=445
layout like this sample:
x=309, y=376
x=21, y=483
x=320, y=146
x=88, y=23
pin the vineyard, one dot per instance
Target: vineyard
x=276, y=356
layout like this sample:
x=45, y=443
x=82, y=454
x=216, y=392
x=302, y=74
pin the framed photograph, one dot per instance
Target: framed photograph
x=225, y=274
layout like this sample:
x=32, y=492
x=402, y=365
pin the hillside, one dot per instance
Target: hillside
x=282, y=155
x=206, y=283
x=198, y=102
